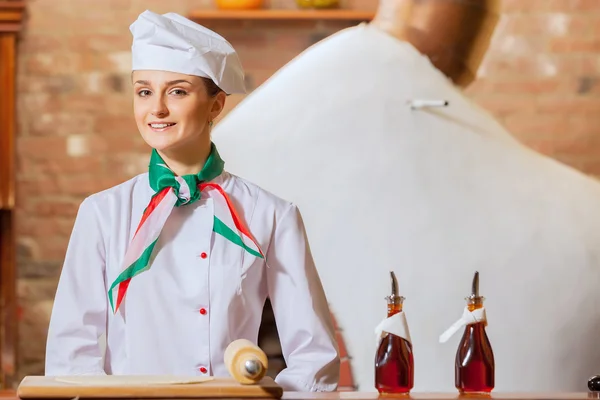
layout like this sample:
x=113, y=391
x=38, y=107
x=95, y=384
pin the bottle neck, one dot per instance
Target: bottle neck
x=394, y=305
x=474, y=302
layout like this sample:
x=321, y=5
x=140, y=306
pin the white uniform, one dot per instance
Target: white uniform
x=200, y=293
x=433, y=194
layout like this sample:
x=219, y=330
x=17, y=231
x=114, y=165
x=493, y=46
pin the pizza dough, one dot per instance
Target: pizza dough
x=131, y=380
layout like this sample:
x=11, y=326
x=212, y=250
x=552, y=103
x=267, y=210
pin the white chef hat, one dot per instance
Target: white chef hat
x=170, y=42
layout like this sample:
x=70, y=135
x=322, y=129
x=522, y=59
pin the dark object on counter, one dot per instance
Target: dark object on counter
x=594, y=383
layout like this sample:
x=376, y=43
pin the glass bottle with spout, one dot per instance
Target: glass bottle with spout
x=394, y=363
x=474, y=364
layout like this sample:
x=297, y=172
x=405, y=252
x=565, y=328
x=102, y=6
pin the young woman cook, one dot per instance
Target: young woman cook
x=176, y=263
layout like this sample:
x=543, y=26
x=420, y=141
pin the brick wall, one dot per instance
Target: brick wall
x=541, y=78
x=76, y=134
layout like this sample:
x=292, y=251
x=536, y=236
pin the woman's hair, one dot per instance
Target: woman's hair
x=211, y=87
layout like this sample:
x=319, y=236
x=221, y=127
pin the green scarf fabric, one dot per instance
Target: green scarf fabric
x=186, y=187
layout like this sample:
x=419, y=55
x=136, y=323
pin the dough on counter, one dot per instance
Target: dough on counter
x=131, y=380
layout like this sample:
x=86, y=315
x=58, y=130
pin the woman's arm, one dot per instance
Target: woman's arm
x=80, y=308
x=301, y=311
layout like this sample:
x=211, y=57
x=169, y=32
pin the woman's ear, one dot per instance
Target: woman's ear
x=217, y=105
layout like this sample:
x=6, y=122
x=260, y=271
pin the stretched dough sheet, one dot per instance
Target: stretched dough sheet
x=131, y=380
x=143, y=387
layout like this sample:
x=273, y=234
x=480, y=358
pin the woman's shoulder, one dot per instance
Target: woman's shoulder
x=121, y=194
x=252, y=195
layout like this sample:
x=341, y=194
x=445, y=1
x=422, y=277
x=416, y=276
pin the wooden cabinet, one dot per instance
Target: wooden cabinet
x=11, y=16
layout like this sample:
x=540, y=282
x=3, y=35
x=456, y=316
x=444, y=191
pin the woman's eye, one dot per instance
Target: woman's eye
x=179, y=92
x=144, y=93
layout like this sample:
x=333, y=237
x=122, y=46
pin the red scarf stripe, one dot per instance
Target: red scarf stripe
x=152, y=205
x=122, y=290
x=236, y=219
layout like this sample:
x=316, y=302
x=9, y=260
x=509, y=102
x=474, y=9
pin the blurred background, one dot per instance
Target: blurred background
x=74, y=132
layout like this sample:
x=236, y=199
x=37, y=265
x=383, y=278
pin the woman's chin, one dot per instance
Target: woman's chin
x=162, y=145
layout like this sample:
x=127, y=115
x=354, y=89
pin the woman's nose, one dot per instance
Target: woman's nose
x=160, y=109
x=160, y=113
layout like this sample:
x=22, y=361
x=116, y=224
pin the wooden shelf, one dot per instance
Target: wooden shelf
x=11, y=15
x=11, y=18
x=289, y=15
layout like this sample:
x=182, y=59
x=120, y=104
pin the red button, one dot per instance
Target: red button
x=203, y=311
x=203, y=370
x=203, y=255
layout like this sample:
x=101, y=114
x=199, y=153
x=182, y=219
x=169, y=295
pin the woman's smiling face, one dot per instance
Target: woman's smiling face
x=172, y=110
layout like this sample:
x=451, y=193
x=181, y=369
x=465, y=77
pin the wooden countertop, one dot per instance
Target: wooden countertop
x=11, y=395
x=439, y=396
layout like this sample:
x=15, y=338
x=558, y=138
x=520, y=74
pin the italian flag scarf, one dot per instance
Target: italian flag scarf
x=175, y=191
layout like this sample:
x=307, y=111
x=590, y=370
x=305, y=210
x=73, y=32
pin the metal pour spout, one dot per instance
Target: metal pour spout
x=394, y=284
x=394, y=297
x=475, y=285
x=475, y=298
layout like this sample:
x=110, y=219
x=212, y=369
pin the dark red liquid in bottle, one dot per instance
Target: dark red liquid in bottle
x=474, y=366
x=394, y=363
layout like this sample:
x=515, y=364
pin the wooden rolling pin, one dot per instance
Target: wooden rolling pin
x=245, y=361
